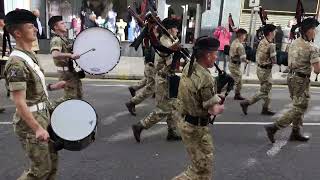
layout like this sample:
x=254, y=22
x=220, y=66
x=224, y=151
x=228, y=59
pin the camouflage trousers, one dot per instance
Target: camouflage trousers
x=164, y=105
x=147, y=90
x=299, y=93
x=73, y=87
x=236, y=74
x=199, y=144
x=265, y=78
x=42, y=156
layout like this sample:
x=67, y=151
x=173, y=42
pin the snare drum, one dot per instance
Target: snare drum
x=106, y=54
x=73, y=125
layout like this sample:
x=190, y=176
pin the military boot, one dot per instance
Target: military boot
x=238, y=96
x=271, y=131
x=244, y=105
x=173, y=135
x=2, y=110
x=297, y=136
x=137, y=129
x=131, y=108
x=267, y=112
x=132, y=91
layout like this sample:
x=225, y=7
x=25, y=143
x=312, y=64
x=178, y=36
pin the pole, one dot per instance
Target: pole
x=250, y=27
x=252, y=36
x=221, y=12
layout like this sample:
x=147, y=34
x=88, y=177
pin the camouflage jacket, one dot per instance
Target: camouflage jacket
x=197, y=93
x=302, y=54
x=265, y=52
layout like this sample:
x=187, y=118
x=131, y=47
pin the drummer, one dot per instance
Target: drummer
x=27, y=88
x=61, y=50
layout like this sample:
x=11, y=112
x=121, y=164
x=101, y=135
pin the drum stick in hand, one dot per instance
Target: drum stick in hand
x=93, y=49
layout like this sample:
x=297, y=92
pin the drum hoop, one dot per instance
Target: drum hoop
x=113, y=66
x=95, y=128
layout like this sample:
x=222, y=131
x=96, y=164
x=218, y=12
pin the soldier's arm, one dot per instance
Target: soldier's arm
x=242, y=53
x=208, y=95
x=273, y=53
x=16, y=78
x=56, y=48
x=315, y=60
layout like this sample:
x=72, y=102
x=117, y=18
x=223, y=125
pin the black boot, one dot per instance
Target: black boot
x=137, y=129
x=2, y=110
x=238, y=97
x=173, y=136
x=131, y=108
x=244, y=105
x=267, y=111
x=297, y=136
x=271, y=131
x=132, y=91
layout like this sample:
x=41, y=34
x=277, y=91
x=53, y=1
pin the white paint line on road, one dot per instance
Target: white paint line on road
x=111, y=119
x=276, y=147
x=107, y=85
x=247, y=123
x=5, y=123
x=129, y=135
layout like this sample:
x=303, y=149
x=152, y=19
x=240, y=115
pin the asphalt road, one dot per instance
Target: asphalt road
x=242, y=151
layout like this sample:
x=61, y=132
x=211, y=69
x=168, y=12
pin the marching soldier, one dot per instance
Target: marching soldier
x=147, y=84
x=61, y=50
x=237, y=55
x=303, y=55
x=26, y=83
x=164, y=104
x=197, y=100
x=266, y=57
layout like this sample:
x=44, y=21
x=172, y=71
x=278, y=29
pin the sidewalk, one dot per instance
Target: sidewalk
x=131, y=68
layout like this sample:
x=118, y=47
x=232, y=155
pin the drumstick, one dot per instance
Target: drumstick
x=93, y=49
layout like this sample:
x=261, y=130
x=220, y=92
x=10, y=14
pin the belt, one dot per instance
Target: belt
x=63, y=68
x=299, y=74
x=268, y=66
x=197, y=121
x=37, y=107
x=236, y=62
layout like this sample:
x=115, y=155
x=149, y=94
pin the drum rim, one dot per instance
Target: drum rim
x=94, y=130
x=117, y=60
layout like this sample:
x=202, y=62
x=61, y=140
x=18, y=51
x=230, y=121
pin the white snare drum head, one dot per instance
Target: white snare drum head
x=73, y=120
x=107, y=50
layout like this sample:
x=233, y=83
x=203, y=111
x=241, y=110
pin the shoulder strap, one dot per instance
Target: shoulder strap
x=33, y=66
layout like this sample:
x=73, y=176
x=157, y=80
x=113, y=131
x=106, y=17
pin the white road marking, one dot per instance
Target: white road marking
x=276, y=147
x=247, y=123
x=5, y=123
x=111, y=119
x=107, y=85
x=129, y=135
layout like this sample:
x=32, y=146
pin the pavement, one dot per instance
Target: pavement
x=242, y=150
x=131, y=68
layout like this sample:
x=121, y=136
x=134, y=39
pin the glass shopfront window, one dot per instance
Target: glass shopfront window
x=10, y=5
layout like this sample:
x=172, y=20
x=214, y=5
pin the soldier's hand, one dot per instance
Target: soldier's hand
x=216, y=109
x=176, y=47
x=75, y=56
x=59, y=85
x=42, y=134
x=247, y=61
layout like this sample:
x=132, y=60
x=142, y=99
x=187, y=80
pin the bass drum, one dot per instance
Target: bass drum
x=106, y=53
x=73, y=125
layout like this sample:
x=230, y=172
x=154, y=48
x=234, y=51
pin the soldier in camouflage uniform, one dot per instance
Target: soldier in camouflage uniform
x=148, y=82
x=61, y=50
x=237, y=54
x=164, y=104
x=26, y=83
x=303, y=55
x=197, y=100
x=266, y=57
